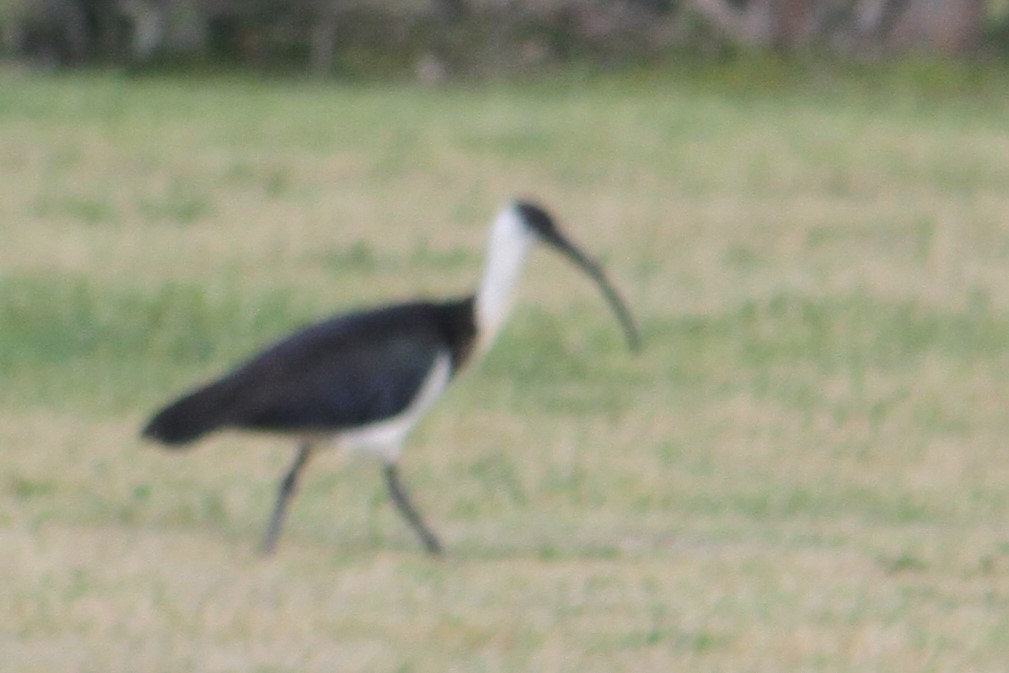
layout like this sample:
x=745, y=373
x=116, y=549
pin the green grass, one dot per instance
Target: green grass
x=805, y=469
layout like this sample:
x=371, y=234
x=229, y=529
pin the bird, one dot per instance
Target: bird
x=363, y=379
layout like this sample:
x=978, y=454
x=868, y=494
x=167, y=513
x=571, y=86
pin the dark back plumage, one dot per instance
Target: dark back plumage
x=342, y=373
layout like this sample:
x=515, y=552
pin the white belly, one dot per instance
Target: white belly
x=385, y=438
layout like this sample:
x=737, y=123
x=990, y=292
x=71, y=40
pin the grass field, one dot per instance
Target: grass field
x=805, y=470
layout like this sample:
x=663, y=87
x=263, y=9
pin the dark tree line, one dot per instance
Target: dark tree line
x=474, y=34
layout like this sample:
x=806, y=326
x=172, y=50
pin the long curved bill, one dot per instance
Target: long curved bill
x=613, y=298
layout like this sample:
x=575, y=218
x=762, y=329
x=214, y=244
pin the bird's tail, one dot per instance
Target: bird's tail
x=188, y=418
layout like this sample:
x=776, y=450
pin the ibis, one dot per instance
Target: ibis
x=363, y=379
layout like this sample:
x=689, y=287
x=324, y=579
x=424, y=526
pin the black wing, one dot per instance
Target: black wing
x=345, y=372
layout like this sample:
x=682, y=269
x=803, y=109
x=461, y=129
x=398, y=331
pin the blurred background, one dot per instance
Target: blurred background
x=435, y=38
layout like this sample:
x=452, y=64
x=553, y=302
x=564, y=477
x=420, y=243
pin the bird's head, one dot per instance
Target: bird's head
x=542, y=228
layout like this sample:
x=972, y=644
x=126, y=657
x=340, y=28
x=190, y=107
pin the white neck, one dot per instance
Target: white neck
x=510, y=241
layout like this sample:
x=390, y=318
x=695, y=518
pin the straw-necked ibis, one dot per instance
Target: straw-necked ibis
x=365, y=378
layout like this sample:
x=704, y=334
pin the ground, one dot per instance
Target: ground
x=805, y=468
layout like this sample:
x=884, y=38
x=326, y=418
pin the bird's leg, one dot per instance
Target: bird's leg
x=287, y=488
x=409, y=512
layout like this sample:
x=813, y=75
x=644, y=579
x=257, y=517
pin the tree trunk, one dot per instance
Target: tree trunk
x=323, y=41
x=148, y=28
x=790, y=22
